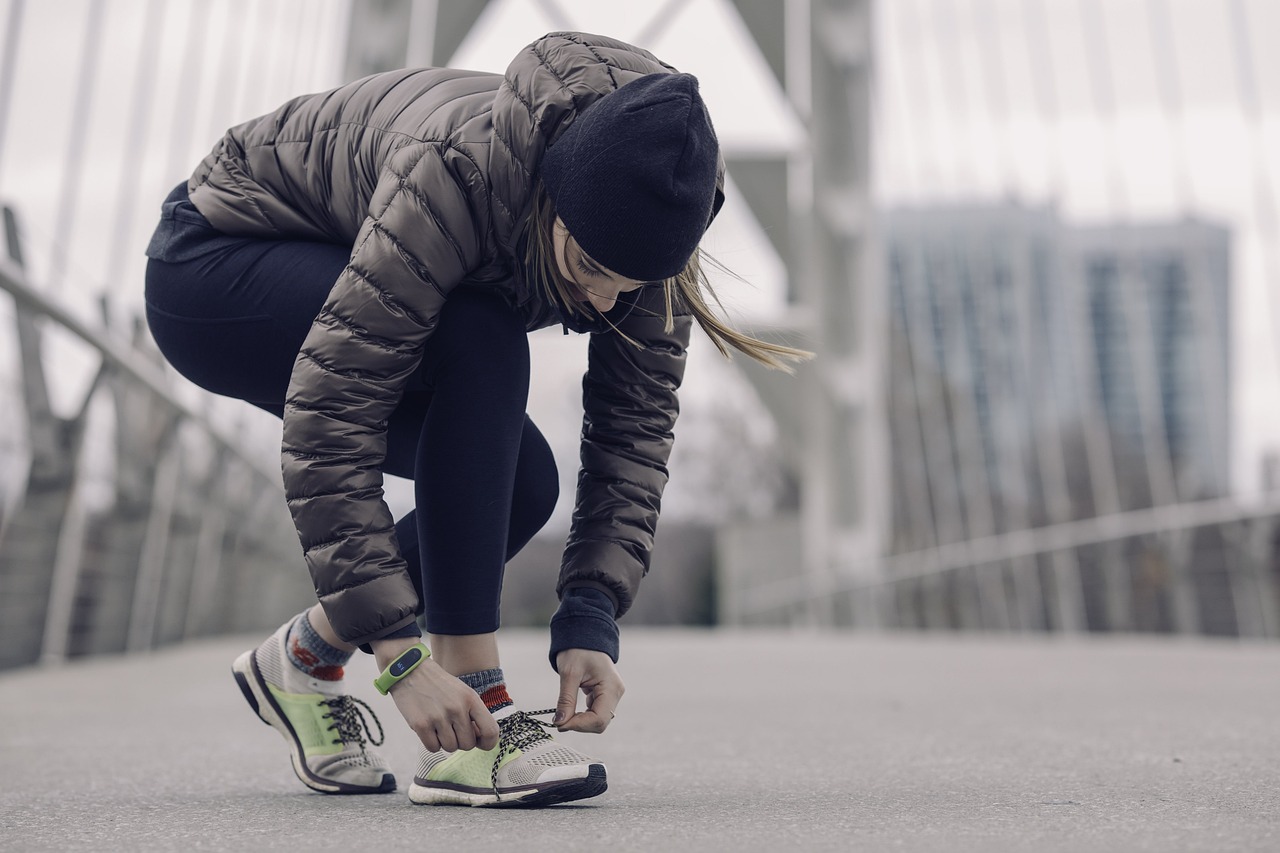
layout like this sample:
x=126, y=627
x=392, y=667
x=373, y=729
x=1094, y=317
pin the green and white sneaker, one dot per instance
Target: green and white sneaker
x=326, y=729
x=526, y=768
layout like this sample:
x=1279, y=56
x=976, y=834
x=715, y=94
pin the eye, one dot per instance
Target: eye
x=583, y=268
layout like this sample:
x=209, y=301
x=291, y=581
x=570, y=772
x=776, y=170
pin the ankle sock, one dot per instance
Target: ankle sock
x=491, y=684
x=311, y=654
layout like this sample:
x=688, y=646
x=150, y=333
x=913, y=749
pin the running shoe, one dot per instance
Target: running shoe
x=526, y=768
x=327, y=732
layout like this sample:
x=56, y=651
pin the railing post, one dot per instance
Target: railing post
x=1182, y=594
x=210, y=546
x=1068, y=594
x=1262, y=587
x=155, y=546
x=1028, y=591
x=65, y=572
x=29, y=550
x=1117, y=587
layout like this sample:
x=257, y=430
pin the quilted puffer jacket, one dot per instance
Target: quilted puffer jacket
x=429, y=174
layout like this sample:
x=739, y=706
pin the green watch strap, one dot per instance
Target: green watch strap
x=405, y=663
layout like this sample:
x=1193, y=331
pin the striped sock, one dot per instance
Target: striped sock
x=491, y=684
x=310, y=653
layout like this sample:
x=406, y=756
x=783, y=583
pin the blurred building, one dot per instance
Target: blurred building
x=1040, y=373
x=1159, y=306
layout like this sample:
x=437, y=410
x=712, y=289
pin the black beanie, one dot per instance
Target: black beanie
x=634, y=177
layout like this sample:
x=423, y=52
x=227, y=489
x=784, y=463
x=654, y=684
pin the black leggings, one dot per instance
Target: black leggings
x=233, y=317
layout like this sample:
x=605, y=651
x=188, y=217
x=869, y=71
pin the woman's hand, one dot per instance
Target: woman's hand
x=594, y=673
x=442, y=711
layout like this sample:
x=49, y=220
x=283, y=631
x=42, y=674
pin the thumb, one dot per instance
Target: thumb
x=567, y=705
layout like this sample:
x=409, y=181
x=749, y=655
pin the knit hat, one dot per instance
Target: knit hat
x=634, y=176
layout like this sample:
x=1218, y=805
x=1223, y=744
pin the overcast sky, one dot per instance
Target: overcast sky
x=1115, y=110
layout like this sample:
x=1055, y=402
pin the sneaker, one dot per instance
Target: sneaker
x=526, y=768
x=326, y=729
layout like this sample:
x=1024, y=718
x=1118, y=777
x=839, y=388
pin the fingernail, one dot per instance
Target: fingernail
x=558, y=718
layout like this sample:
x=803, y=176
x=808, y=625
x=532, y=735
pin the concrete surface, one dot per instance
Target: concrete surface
x=725, y=741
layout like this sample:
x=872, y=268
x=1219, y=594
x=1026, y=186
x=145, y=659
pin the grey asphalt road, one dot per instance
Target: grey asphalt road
x=724, y=741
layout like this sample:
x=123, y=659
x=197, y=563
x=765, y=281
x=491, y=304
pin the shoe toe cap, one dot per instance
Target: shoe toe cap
x=575, y=771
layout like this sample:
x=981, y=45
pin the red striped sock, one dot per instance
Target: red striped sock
x=496, y=697
x=311, y=654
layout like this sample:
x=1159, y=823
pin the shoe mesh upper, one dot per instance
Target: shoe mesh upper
x=526, y=769
x=355, y=763
x=277, y=670
x=270, y=658
x=351, y=759
x=536, y=753
x=427, y=760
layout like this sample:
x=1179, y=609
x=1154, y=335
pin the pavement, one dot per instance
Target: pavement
x=725, y=741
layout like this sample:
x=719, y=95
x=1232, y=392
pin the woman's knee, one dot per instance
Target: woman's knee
x=479, y=332
x=540, y=495
x=536, y=488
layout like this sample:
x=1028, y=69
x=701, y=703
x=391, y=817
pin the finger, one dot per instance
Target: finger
x=430, y=741
x=486, y=729
x=464, y=733
x=604, y=705
x=448, y=740
x=601, y=703
x=475, y=732
x=567, y=704
x=590, y=722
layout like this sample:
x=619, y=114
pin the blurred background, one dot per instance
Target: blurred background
x=1035, y=244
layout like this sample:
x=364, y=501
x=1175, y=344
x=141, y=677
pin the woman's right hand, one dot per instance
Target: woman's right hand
x=442, y=711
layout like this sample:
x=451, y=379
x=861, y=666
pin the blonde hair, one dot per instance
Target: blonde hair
x=691, y=287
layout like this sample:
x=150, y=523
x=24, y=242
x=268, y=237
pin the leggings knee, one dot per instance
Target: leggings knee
x=479, y=334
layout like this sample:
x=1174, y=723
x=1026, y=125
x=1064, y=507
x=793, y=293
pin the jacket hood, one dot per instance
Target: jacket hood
x=542, y=94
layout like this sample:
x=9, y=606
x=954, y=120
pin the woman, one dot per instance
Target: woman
x=366, y=263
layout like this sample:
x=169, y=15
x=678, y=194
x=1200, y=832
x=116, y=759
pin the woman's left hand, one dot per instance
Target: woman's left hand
x=595, y=675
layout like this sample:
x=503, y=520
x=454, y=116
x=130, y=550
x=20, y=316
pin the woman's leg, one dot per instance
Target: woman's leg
x=484, y=478
x=233, y=320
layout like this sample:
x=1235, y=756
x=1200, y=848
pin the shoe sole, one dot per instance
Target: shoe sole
x=254, y=687
x=562, y=791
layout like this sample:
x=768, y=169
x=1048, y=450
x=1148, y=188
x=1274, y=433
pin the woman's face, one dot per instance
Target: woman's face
x=590, y=281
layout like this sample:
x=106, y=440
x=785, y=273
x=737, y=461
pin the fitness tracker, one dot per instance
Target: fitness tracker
x=407, y=661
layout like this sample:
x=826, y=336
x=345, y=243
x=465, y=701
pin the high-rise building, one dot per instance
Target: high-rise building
x=1041, y=373
x=1159, y=302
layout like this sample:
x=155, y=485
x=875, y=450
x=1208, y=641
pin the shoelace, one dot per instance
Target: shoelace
x=349, y=720
x=516, y=732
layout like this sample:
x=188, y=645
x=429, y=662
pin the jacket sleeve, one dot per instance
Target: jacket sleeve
x=629, y=412
x=417, y=243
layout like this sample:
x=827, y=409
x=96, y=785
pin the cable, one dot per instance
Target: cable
x=77, y=138
x=135, y=142
x=8, y=64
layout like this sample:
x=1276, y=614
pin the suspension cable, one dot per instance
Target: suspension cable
x=77, y=138
x=8, y=64
x=135, y=142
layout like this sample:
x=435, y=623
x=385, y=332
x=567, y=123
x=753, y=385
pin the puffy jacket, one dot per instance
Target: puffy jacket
x=429, y=174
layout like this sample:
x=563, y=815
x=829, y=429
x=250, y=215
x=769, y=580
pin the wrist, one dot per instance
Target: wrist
x=584, y=621
x=401, y=667
x=389, y=648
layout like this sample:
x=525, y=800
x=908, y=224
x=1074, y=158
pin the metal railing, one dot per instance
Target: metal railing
x=133, y=512
x=194, y=538
x=1211, y=567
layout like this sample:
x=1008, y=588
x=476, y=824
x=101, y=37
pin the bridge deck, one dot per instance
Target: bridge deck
x=725, y=741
